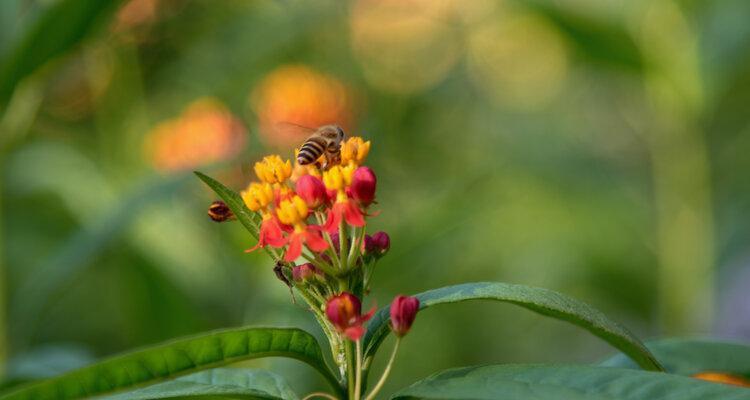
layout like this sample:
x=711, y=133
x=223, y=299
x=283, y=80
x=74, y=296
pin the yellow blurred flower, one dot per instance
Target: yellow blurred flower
x=354, y=150
x=272, y=169
x=204, y=133
x=299, y=95
x=257, y=196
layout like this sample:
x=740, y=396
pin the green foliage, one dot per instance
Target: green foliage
x=60, y=28
x=176, y=358
x=569, y=382
x=691, y=356
x=542, y=301
x=235, y=382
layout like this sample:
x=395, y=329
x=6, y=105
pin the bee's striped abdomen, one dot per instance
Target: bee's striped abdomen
x=311, y=150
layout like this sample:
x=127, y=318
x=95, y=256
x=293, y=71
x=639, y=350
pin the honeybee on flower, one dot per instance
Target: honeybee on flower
x=314, y=210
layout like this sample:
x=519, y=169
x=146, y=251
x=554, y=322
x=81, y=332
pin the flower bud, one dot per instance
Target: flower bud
x=403, y=311
x=345, y=313
x=369, y=246
x=312, y=190
x=305, y=273
x=382, y=241
x=363, y=185
x=220, y=212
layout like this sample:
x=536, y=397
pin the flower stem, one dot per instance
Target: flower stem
x=358, y=380
x=350, y=374
x=386, y=371
x=342, y=245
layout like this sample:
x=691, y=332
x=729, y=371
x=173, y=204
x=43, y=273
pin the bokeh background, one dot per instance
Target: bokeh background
x=600, y=148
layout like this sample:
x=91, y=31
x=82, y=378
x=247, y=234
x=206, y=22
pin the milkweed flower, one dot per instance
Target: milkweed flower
x=403, y=312
x=272, y=169
x=344, y=311
x=338, y=179
x=294, y=212
x=259, y=197
x=354, y=151
x=305, y=273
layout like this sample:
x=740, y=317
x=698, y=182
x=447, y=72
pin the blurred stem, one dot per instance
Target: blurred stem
x=681, y=170
x=15, y=123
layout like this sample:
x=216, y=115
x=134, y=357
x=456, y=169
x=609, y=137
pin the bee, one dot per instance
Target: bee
x=326, y=140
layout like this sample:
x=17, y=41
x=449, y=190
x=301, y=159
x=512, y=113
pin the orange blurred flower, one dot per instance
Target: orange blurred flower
x=206, y=132
x=299, y=95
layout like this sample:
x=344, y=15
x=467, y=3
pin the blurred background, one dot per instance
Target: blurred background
x=597, y=148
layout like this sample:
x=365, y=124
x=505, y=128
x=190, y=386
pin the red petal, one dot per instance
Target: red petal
x=353, y=215
x=366, y=317
x=295, y=247
x=354, y=332
x=315, y=242
x=334, y=219
x=270, y=233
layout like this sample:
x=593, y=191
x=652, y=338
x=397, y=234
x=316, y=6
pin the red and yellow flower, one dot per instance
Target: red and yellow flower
x=294, y=212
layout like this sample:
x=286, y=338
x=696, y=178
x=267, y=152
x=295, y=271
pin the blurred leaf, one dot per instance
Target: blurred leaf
x=235, y=382
x=542, y=301
x=691, y=356
x=179, y=357
x=248, y=218
x=79, y=251
x=63, y=25
x=602, y=42
x=568, y=382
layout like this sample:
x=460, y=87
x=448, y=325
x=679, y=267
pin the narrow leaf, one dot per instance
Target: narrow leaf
x=542, y=301
x=235, y=382
x=177, y=358
x=568, y=382
x=691, y=356
x=249, y=219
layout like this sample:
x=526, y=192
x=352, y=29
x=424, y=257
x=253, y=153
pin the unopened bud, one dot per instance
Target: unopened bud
x=403, y=311
x=220, y=212
x=363, y=185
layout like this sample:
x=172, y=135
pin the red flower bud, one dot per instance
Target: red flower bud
x=382, y=241
x=305, y=272
x=345, y=313
x=311, y=190
x=363, y=185
x=403, y=311
x=369, y=246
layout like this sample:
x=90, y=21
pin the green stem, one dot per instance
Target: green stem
x=358, y=370
x=386, y=372
x=350, y=366
x=342, y=246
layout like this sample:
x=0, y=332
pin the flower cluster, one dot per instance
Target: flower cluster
x=313, y=219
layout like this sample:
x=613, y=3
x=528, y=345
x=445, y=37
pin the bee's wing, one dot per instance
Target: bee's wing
x=292, y=129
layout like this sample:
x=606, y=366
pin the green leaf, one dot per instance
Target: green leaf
x=176, y=358
x=63, y=25
x=565, y=382
x=249, y=219
x=235, y=382
x=542, y=301
x=690, y=356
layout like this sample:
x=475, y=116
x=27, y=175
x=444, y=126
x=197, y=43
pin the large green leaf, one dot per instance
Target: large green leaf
x=690, y=356
x=235, y=382
x=249, y=219
x=176, y=358
x=543, y=301
x=565, y=382
x=63, y=25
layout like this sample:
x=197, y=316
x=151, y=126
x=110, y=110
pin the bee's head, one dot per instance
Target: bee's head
x=332, y=132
